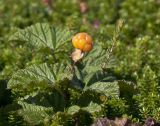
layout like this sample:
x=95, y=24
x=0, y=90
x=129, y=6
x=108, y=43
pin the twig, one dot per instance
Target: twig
x=114, y=41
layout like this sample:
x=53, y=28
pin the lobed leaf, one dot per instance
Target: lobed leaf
x=38, y=76
x=42, y=35
x=98, y=57
x=73, y=109
x=106, y=88
x=91, y=108
x=96, y=76
x=34, y=114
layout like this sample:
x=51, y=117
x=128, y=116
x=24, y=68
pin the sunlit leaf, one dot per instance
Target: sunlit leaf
x=42, y=35
x=92, y=108
x=73, y=109
x=38, y=77
x=107, y=88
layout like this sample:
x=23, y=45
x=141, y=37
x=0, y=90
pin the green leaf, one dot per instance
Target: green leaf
x=49, y=99
x=94, y=57
x=97, y=76
x=106, y=88
x=88, y=96
x=34, y=114
x=39, y=77
x=42, y=35
x=90, y=70
x=73, y=109
x=98, y=57
x=92, y=108
x=92, y=74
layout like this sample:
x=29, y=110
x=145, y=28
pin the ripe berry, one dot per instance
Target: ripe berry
x=82, y=41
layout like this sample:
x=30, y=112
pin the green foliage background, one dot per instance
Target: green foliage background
x=136, y=56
